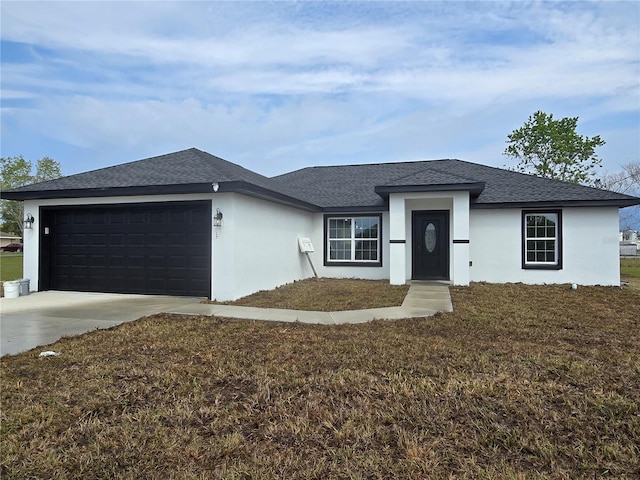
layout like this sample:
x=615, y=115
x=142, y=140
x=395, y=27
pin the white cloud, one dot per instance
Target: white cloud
x=307, y=82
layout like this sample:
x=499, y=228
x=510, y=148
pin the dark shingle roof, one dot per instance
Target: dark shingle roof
x=341, y=187
x=190, y=166
x=504, y=187
x=186, y=171
x=429, y=176
x=355, y=185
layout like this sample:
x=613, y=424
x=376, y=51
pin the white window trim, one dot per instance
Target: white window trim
x=557, y=239
x=353, y=239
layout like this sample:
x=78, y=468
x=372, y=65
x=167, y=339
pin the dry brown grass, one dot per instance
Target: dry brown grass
x=518, y=382
x=328, y=295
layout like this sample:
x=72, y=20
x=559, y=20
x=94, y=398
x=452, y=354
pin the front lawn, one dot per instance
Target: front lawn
x=10, y=266
x=517, y=382
x=328, y=295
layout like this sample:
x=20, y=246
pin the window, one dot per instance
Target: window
x=542, y=239
x=353, y=240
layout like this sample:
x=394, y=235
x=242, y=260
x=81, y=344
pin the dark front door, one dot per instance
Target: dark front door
x=430, y=239
x=153, y=248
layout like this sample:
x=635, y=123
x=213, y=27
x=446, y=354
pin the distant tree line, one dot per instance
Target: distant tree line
x=17, y=172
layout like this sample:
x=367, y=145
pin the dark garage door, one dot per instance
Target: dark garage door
x=151, y=248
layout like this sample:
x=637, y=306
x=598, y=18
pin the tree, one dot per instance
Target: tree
x=16, y=172
x=625, y=181
x=551, y=148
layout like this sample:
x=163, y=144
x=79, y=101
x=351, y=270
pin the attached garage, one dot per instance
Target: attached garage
x=150, y=248
x=155, y=226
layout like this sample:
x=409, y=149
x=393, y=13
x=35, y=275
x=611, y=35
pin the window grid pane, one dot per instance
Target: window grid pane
x=340, y=228
x=367, y=250
x=340, y=250
x=541, y=238
x=366, y=227
x=354, y=239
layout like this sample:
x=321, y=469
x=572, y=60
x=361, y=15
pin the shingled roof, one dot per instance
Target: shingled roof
x=186, y=171
x=330, y=188
x=354, y=186
x=187, y=167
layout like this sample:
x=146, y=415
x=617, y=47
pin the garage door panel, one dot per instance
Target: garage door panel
x=116, y=240
x=197, y=263
x=156, y=240
x=135, y=239
x=98, y=218
x=176, y=240
x=177, y=261
x=143, y=248
x=198, y=239
x=79, y=239
x=98, y=239
x=63, y=239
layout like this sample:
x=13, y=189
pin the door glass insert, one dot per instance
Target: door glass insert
x=430, y=237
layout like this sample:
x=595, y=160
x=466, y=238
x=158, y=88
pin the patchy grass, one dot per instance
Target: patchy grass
x=10, y=266
x=630, y=267
x=328, y=295
x=518, y=382
x=630, y=272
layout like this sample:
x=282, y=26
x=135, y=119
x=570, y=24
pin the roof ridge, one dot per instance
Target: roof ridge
x=430, y=168
x=373, y=164
x=209, y=156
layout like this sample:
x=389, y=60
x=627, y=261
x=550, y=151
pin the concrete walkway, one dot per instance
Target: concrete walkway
x=44, y=317
x=423, y=299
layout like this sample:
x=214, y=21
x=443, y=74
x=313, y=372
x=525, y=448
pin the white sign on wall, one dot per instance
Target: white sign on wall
x=305, y=244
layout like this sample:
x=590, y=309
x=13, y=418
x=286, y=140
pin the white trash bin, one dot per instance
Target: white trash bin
x=11, y=289
x=24, y=286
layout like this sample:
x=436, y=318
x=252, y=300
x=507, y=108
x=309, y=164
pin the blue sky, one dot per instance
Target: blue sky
x=279, y=86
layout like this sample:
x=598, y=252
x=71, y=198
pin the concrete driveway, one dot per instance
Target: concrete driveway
x=44, y=317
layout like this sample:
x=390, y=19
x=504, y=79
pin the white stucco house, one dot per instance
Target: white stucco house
x=190, y=223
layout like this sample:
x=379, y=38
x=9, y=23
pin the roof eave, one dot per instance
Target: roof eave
x=620, y=203
x=242, y=187
x=109, y=191
x=474, y=189
x=356, y=209
x=255, y=191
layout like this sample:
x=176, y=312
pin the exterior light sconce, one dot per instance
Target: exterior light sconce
x=29, y=221
x=217, y=218
x=215, y=187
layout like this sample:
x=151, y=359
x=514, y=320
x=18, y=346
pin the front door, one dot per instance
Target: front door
x=430, y=239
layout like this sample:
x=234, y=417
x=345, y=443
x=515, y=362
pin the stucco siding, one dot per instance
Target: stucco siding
x=589, y=248
x=363, y=272
x=593, y=249
x=457, y=204
x=256, y=248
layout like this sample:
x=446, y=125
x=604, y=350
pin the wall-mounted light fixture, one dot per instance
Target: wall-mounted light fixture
x=215, y=186
x=217, y=218
x=29, y=221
